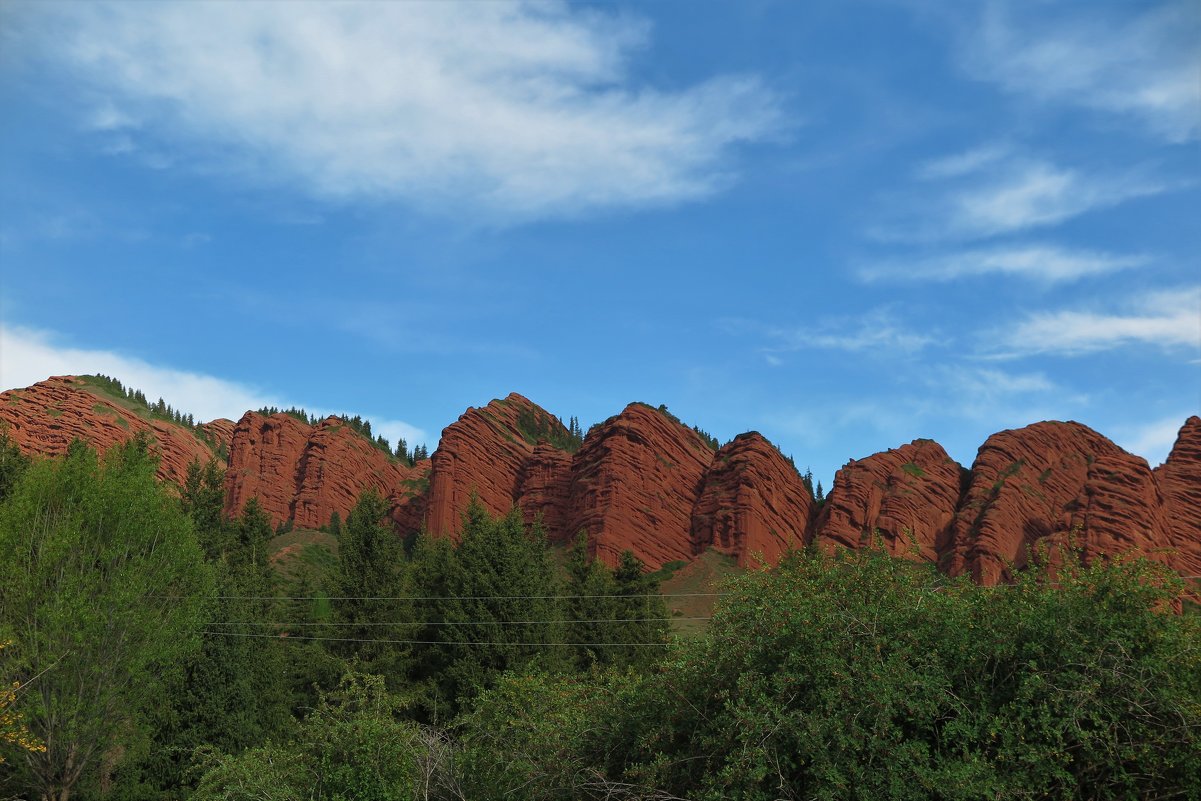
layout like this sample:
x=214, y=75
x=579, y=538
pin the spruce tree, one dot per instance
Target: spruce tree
x=642, y=609
x=372, y=579
x=497, y=605
x=590, y=610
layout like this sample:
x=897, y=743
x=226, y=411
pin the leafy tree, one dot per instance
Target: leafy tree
x=12, y=463
x=863, y=676
x=352, y=747
x=12, y=726
x=335, y=524
x=103, y=587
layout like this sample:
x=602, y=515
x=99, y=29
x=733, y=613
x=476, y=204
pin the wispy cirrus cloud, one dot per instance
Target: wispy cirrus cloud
x=1167, y=319
x=877, y=330
x=518, y=110
x=28, y=356
x=1039, y=263
x=987, y=192
x=1140, y=62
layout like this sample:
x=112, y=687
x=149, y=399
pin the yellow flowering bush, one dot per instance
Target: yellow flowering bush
x=12, y=728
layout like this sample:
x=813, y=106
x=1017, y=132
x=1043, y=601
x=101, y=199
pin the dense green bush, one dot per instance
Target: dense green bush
x=352, y=747
x=865, y=677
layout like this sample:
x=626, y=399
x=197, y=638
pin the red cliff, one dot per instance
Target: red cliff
x=306, y=473
x=43, y=420
x=263, y=456
x=752, y=505
x=1052, y=484
x=634, y=483
x=906, y=497
x=544, y=489
x=484, y=453
x=1179, y=480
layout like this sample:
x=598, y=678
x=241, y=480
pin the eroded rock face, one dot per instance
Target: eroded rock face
x=264, y=454
x=306, y=473
x=1052, y=484
x=484, y=453
x=752, y=505
x=635, y=481
x=906, y=497
x=642, y=481
x=544, y=489
x=218, y=433
x=43, y=420
x=1179, y=481
x=336, y=467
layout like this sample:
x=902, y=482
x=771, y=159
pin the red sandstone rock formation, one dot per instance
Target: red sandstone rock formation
x=218, y=433
x=484, y=453
x=1179, y=480
x=306, y=473
x=906, y=497
x=263, y=456
x=337, y=465
x=753, y=504
x=544, y=489
x=1051, y=484
x=635, y=481
x=43, y=420
x=644, y=482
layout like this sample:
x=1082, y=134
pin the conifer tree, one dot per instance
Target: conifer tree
x=643, y=610
x=372, y=579
x=497, y=607
x=590, y=608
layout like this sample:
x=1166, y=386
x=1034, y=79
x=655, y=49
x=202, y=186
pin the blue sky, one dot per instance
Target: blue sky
x=843, y=224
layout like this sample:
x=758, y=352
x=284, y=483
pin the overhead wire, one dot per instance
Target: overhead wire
x=442, y=597
x=280, y=637
x=451, y=623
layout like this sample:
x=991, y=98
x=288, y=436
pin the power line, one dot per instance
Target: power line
x=439, y=597
x=423, y=642
x=453, y=623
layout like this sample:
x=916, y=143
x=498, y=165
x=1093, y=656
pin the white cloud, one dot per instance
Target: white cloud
x=988, y=193
x=1153, y=441
x=108, y=117
x=1143, y=66
x=28, y=356
x=963, y=163
x=874, y=330
x=1047, y=264
x=521, y=110
x=1165, y=319
x=1035, y=194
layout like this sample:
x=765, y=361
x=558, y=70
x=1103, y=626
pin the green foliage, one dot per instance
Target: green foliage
x=292, y=411
x=202, y=498
x=496, y=606
x=540, y=737
x=536, y=426
x=13, y=463
x=352, y=747
x=868, y=677
x=372, y=575
x=136, y=400
x=103, y=585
